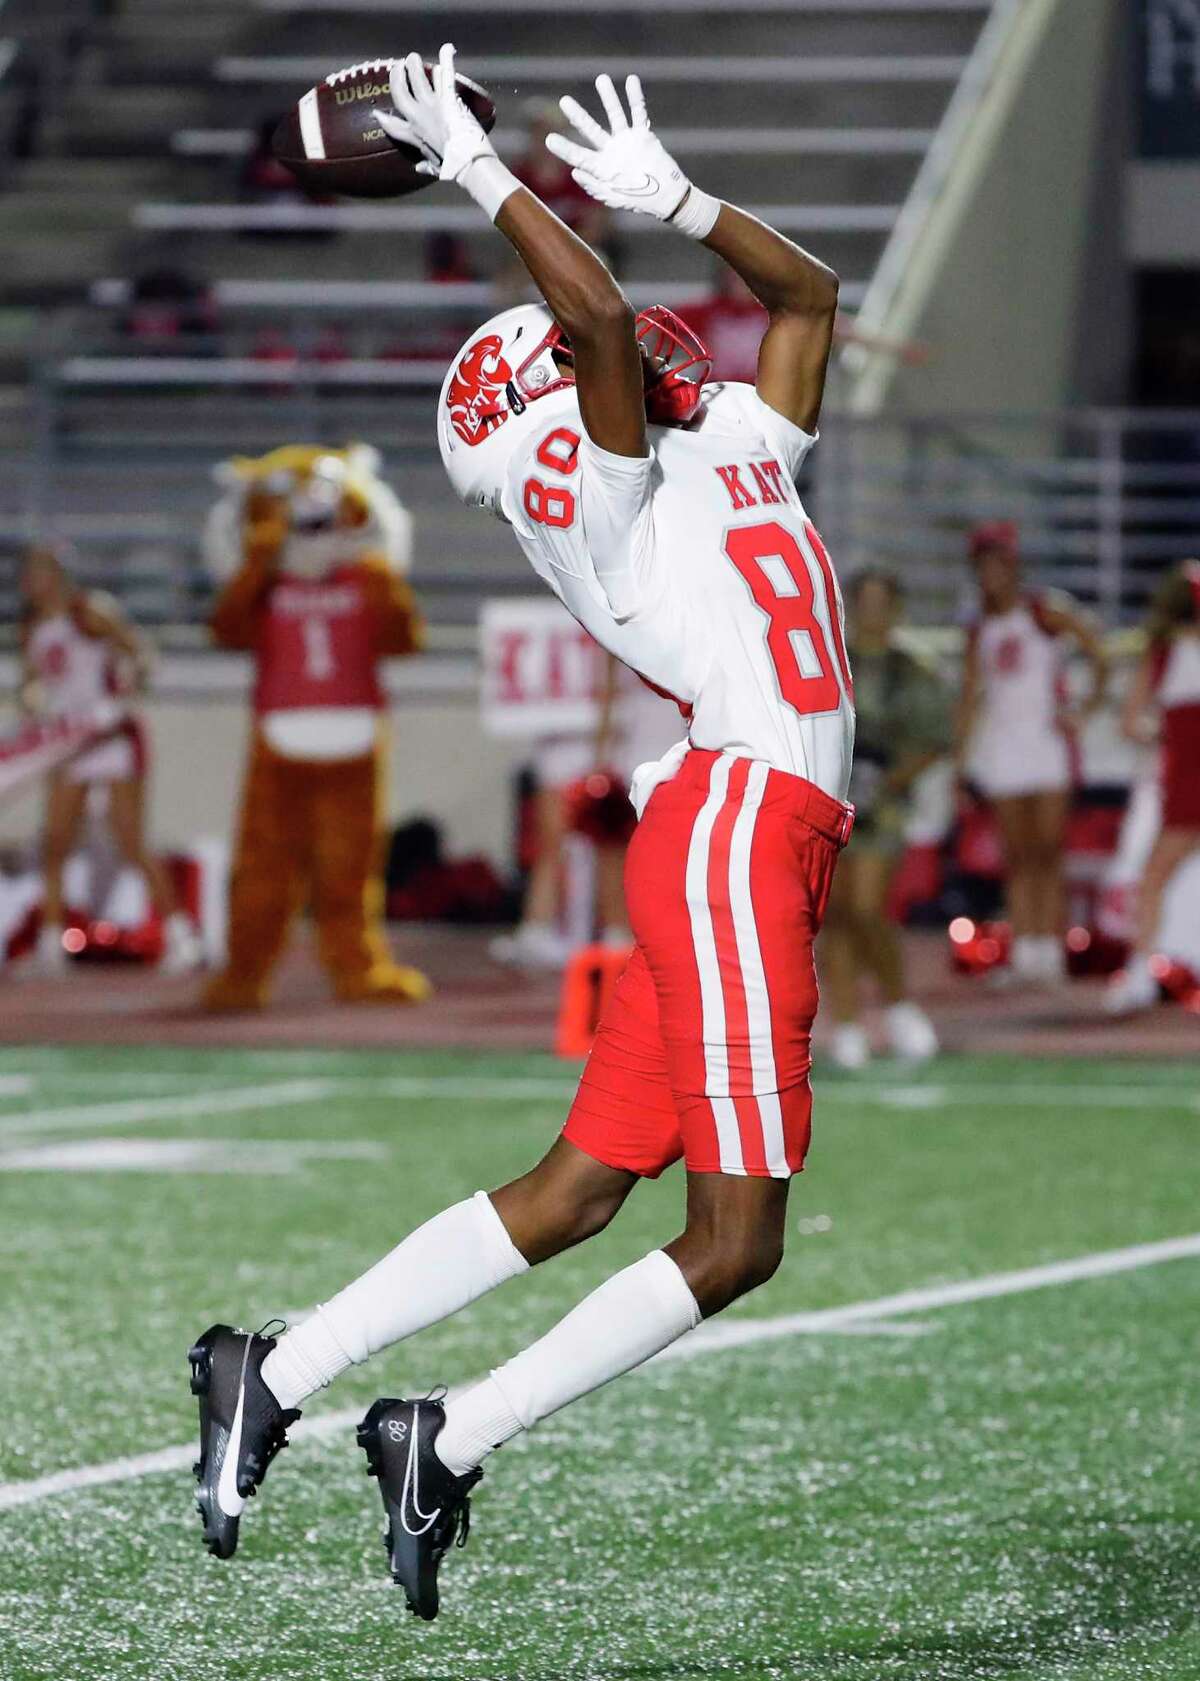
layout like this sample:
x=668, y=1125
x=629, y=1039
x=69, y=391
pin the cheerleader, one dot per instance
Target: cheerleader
x=1167, y=680
x=78, y=651
x=1016, y=734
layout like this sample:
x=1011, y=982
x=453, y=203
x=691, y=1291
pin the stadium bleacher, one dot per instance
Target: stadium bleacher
x=315, y=317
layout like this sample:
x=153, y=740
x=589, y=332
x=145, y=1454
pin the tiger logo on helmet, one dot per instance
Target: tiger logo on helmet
x=523, y=357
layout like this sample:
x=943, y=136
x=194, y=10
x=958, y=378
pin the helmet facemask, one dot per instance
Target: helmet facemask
x=675, y=364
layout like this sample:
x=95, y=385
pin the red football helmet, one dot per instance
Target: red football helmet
x=675, y=364
x=523, y=355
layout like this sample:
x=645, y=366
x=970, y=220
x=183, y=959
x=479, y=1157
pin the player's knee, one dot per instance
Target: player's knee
x=735, y=1267
x=547, y=1211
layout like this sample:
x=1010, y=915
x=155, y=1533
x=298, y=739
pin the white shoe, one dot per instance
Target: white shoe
x=1051, y=959
x=910, y=1032
x=182, y=951
x=1131, y=990
x=534, y=945
x=1026, y=959
x=850, y=1048
x=49, y=956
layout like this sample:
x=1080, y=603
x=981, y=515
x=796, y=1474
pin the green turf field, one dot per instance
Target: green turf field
x=1006, y=1485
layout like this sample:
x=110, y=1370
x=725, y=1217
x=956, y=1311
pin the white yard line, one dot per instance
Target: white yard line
x=736, y=1333
x=192, y=1105
x=532, y=1088
x=282, y=1093
x=457, y=1088
x=707, y=1339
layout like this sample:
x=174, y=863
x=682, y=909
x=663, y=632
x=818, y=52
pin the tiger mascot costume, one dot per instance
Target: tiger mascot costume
x=312, y=549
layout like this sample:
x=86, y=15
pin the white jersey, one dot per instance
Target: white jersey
x=74, y=671
x=1019, y=745
x=698, y=567
x=78, y=678
x=1177, y=672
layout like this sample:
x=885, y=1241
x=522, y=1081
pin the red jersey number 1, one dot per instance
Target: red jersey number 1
x=776, y=572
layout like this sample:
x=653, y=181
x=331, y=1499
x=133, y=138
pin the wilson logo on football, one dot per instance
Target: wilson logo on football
x=473, y=395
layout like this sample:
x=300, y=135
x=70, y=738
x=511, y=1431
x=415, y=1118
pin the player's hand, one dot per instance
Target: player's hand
x=627, y=168
x=431, y=117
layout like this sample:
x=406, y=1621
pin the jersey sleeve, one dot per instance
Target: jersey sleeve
x=584, y=518
x=788, y=441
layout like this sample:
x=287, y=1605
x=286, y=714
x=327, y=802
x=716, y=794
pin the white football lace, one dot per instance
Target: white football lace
x=352, y=70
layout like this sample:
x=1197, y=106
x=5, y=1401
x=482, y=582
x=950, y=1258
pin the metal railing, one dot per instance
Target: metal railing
x=119, y=453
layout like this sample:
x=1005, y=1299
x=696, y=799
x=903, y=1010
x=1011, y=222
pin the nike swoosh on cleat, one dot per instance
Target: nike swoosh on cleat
x=228, y=1498
x=411, y=1490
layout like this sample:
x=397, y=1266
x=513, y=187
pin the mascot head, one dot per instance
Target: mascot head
x=332, y=507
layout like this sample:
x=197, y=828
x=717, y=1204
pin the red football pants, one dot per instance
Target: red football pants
x=703, y=1051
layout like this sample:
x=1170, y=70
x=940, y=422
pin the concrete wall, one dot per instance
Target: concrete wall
x=1016, y=291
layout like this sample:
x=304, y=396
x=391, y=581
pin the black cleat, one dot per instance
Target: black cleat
x=242, y=1428
x=427, y=1507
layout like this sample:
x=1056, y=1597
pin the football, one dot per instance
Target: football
x=332, y=143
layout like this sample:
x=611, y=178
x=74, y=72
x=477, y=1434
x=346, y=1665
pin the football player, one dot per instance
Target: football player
x=661, y=508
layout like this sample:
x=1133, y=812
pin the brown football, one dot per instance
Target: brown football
x=332, y=143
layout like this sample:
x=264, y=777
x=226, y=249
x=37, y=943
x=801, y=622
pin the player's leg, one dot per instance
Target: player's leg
x=623, y=1125
x=728, y=889
x=126, y=821
x=1014, y=815
x=65, y=805
x=536, y=943
x=732, y=1242
x=611, y=915
x=910, y=1032
x=1049, y=809
x=1170, y=850
x=1136, y=986
x=251, y=1387
x=271, y=864
x=840, y=967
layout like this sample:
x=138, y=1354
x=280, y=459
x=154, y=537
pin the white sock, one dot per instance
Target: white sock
x=632, y=1316
x=451, y=1260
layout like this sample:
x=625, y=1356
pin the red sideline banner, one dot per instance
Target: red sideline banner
x=37, y=747
x=541, y=673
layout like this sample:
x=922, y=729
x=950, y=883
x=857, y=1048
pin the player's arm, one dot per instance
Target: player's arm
x=967, y=709
x=99, y=615
x=628, y=168
x=1139, y=696
x=580, y=292
x=29, y=690
x=594, y=313
x=799, y=294
x=1062, y=618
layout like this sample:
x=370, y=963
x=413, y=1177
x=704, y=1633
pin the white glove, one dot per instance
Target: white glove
x=629, y=168
x=431, y=117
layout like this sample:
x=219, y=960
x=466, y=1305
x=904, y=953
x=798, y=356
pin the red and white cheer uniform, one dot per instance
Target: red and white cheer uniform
x=1177, y=690
x=78, y=678
x=1020, y=745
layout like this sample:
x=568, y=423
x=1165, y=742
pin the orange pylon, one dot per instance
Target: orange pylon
x=588, y=981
